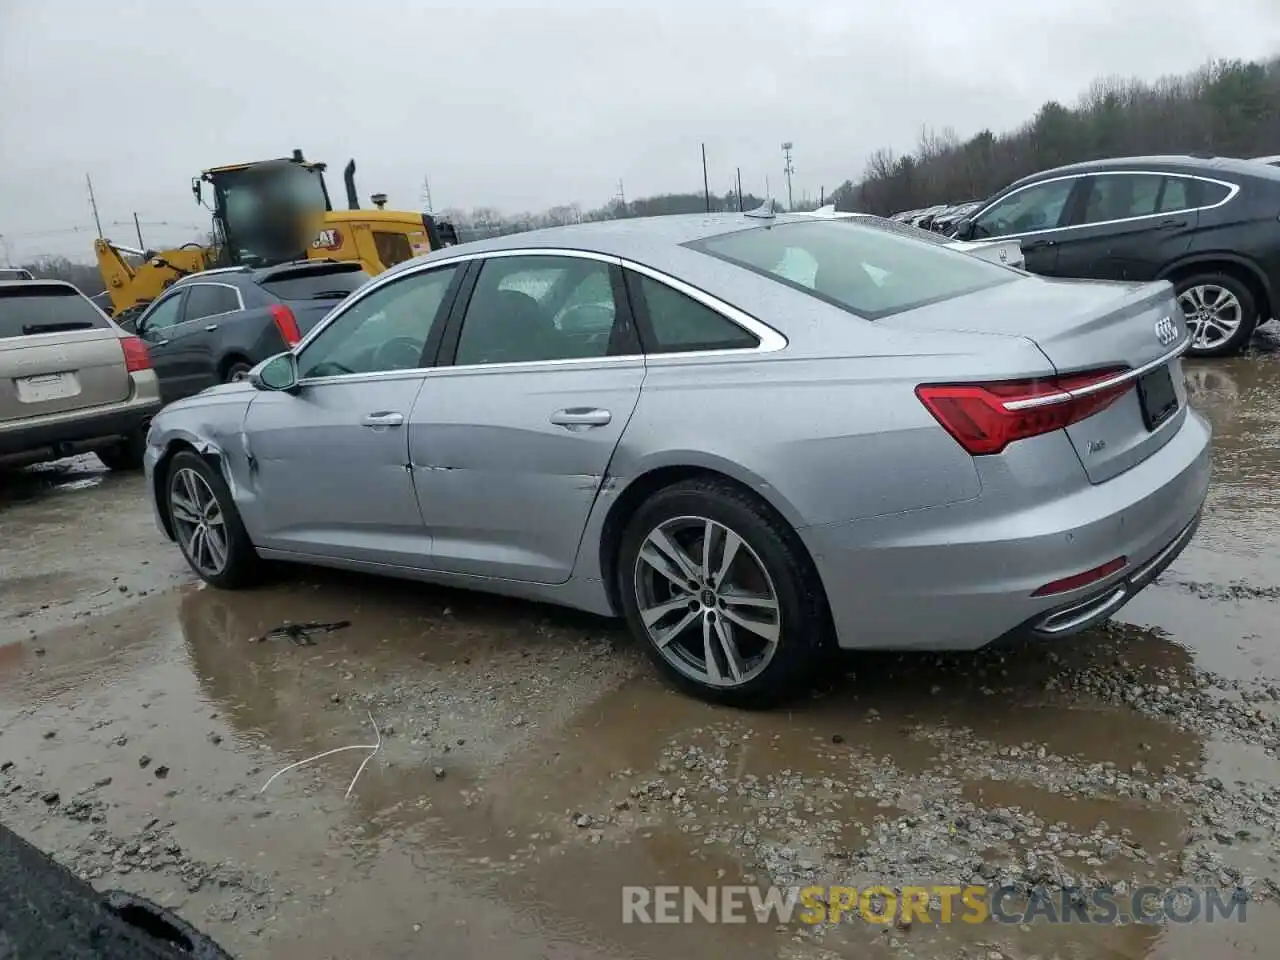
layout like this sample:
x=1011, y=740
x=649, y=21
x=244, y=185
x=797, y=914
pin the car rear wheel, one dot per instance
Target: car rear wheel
x=207, y=525
x=1220, y=311
x=126, y=455
x=722, y=594
x=238, y=370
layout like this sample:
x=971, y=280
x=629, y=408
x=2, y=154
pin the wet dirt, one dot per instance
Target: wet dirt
x=531, y=766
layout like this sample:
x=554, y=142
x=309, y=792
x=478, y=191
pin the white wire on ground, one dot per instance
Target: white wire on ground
x=373, y=747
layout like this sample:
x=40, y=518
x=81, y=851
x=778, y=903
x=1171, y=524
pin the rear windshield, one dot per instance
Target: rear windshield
x=869, y=269
x=316, y=284
x=25, y=311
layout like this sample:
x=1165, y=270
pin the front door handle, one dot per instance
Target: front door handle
x=1173, y=223
x=161, y=343
x=384, y=418
x=581, y=417
x=211, y=327
x=1037, y=244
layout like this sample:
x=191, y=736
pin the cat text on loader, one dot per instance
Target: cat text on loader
x=269, y=212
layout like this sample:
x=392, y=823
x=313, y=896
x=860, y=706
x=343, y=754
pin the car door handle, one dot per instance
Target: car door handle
x=160, y=343
x=382, y=419
x=1173, y=223
x=581, y=417
x=211, y=327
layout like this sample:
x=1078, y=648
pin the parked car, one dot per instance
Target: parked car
x=1207, y=225
x=211, y=327
x=753, y=436
x=70, y=380
x=945, y=222
x=1005, y=252
x=15, y=273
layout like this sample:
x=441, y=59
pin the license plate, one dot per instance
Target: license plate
x=51, y=386
x=1158, y=398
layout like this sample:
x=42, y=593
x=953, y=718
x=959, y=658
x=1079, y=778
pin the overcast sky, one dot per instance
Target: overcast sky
x=526, y=105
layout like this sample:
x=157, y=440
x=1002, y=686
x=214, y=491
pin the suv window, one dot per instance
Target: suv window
x=25, y=311
x=313, y=284
x=163, y=314
x=207, y=299
x=679, y=323
x=386, y=330
x=1038, y=207
x=1120, y=196
x=534, y=308
x=857, y=266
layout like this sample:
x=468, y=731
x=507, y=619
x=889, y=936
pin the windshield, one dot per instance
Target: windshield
x=866, y=266
x=333, y=283
x=263, y=209
x=25, y=311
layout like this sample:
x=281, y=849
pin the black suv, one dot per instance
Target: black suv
x=213, y=327
x=1209, y=226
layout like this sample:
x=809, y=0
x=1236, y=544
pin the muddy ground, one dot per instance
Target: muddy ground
x=531, y=764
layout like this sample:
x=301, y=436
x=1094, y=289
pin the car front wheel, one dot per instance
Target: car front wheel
x=207, y=525
x=724, y=597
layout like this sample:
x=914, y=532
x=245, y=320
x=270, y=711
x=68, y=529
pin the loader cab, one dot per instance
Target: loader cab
x=262, y=211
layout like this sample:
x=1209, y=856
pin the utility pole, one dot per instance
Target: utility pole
x=788, y=169
x=138, y=227
x=822, y=196
x=706, y=188
x=426, y=196
x=94, y=204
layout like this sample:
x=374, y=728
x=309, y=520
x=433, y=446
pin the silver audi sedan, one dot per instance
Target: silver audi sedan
x=755, y=437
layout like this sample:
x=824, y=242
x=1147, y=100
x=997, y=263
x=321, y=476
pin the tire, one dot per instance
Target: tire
x=770, y=560
x=236, y=370
x=1221, y=313
x=126, y=455
x=237, y=564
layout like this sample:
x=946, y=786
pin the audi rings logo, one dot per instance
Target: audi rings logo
x=1166, y=331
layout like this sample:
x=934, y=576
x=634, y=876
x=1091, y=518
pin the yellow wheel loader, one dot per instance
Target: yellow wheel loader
x=268, y=212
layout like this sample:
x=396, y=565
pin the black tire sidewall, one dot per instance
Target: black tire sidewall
x=804, y=634
x=242, y=559
x=126, y=455
x=1248, y=304
x=235, y=367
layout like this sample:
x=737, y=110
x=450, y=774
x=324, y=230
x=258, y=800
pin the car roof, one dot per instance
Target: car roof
x=1205, y=166
x=29, y=284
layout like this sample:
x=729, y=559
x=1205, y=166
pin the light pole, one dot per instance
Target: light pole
x=788, y=169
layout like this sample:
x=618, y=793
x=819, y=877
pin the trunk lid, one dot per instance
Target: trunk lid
x=58, y=353
x=1083, y=325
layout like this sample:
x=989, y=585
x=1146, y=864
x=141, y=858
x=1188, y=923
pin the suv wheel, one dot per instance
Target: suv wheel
x=1220, y=311
x=207, y=525
x=237, y=371
x=721, y=592
x=125, y=455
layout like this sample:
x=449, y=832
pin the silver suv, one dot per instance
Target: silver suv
x=70, y=379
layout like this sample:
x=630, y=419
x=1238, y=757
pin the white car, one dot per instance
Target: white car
x=1005, y=252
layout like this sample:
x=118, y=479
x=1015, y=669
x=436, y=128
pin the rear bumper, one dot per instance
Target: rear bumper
x=74, y=432
x=962, y=576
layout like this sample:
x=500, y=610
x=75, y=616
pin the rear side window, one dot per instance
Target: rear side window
x=314, y=284
x=1183, y=193
x=25, y=311
x=678, y=323
x=869, y=271
x=207, y=299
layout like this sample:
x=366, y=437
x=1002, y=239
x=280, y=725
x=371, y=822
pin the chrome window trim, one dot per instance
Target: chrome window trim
x=1232, y=190
x=1092, y=388
x=770, y=339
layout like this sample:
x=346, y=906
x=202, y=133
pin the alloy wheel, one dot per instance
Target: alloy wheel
x=199, y=522
x=1213, y=314
x=707, y=602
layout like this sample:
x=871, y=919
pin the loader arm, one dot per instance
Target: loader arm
x=129, y=285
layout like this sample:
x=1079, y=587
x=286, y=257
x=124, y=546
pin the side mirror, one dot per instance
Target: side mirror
x=964, y=229
x=278, y=373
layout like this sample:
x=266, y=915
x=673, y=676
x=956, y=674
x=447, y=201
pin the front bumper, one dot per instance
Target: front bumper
x=954, y=578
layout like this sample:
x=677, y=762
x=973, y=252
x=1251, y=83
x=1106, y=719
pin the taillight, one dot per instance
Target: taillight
x=136, y=356
x=286, y=323
x=986, y=417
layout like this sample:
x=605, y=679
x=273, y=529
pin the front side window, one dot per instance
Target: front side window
x=534, y=308
x=164, y=314
x=1038, y=207
x=385, y=331
x=858, y=266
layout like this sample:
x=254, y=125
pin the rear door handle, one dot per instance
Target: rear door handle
x=161, y=343
x=385, y=418
x=1173, y=223
x=581, y=417
x=211, y=327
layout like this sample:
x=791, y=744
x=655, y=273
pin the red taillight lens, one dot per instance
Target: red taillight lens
x=1078, y=580
x=286, y=323
x=136, y=356
x=987, y=417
